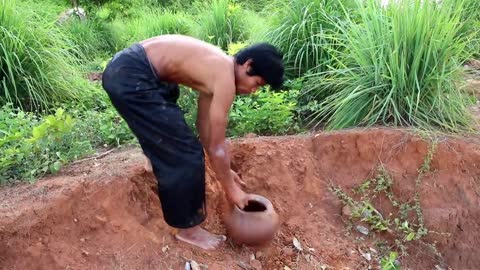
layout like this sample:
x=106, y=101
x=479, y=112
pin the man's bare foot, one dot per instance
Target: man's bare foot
x=148, y=165
x=200, y=238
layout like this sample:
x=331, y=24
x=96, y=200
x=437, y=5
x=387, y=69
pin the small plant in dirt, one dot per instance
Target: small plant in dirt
x=405, y=224
x=390, y=262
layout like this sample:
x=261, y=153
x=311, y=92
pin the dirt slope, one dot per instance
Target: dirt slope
x=105, y=214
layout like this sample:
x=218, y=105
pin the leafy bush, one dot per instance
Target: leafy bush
x=188, y=103
x=110, y=9
x=32, y=146
x=398, y=66
x=102, y=126
x=28, y=152
x=263, y=113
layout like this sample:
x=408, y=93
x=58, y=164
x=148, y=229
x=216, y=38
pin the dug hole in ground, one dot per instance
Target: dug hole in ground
x=105, y=213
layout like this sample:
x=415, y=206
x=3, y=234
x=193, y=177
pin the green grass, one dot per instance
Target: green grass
x=254, y=25
x=471, y=25
x=90, y=38
x=299, y=28
x=37, y=67
x=32, y=146
x=147, y=24
x=219, y=22
x=397, y=66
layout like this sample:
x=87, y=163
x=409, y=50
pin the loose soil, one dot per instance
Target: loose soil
x=105, y=213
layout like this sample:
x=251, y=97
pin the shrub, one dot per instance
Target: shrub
x=219, y=22
x=263, y=113
x=299, y=29
x=37, y=67
x=398, y=66
x=32, y=146
x=28, y=152
x=471, y=25
x=256, y=5
x=148, y=24
x=188, y=103
x=90, y=39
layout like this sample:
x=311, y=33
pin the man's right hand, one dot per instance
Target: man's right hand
x=237, y=196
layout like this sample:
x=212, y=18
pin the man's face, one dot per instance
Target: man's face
x=245, y=83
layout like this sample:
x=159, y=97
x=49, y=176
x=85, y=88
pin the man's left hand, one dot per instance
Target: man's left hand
x=237, y=178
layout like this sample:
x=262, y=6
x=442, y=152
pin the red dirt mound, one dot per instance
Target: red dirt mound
x=105, y=214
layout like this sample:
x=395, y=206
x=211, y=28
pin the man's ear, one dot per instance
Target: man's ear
x=248, y=65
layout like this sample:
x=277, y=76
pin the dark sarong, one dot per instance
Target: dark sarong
x=149, y=107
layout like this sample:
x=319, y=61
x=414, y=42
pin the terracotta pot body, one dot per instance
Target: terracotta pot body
x=254, y=225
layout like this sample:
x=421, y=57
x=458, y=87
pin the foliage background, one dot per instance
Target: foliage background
x=349, y=63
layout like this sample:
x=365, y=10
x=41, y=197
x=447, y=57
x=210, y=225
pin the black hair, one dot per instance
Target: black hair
x=267, y=62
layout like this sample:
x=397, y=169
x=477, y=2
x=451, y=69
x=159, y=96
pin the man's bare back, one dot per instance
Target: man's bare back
x=189, y=61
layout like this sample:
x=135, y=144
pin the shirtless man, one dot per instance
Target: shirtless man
x=142, y=83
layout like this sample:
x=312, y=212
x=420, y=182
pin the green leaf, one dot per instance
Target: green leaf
x=410, y=236
x=37, y=132
x=55, y=166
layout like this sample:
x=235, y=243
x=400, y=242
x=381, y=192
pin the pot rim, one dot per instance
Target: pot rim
x=261, y=199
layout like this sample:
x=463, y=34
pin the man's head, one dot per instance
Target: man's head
x=258, y=65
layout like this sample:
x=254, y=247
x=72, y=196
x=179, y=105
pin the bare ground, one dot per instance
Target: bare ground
x=105, y=213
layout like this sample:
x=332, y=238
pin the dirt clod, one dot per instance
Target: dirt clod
x=256, y=264
x=346, y=211
x=288, y=251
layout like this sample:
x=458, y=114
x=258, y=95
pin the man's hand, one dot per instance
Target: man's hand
x=237, y=196
x=237, y=178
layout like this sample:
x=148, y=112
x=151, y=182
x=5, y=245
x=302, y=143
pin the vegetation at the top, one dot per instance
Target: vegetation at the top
x=349, y=63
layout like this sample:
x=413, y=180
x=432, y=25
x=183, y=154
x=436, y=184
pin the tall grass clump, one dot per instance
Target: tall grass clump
x=399, y=66
x=471, y=25
x=37, y=68
x=299, y=29
x=171, y=4
x=90, y=38
x=219, y=22
x=256, y=5
x=147, y=24
x=254, y=24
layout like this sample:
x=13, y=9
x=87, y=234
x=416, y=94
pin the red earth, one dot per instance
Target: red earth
x=105, y=213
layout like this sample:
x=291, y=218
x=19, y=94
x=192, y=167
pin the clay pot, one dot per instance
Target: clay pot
x=255, y=225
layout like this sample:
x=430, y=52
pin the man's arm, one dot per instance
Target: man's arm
x=217, y=149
